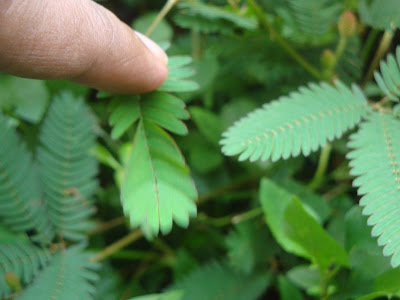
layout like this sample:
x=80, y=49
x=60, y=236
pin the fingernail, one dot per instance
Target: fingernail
x=154, y=48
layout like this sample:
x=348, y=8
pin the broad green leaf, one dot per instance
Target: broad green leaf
x=304, y=230
x=296, y=231
x=274, y=202
x=28, y=98
x=305, y=277
x=287, y=290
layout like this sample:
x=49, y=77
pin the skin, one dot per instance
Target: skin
x=77, y=40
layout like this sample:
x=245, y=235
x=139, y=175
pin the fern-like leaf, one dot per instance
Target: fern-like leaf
x=375, y=161
x=382, y=14
x=67, y=170
x=310, y=19
x=301, y=122
x=21, y=202
x=69, y=276
x=157, y=187
x=389, y=77
x=218, y=281
x=209, y=18
x=18, y=256
x=177, y=77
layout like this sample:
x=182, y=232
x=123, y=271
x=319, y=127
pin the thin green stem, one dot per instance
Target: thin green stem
x=222, y=190
x=228, y=220
x=247, y=215
x=125, y=241
x=107, y=225
x=339, y=49
x=285, y=45
x=382, y=49
x=196, y=44
x=322, y=166
x=161, y=15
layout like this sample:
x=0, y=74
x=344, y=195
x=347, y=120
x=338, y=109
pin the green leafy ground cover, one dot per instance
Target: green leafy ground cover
x=267, y=166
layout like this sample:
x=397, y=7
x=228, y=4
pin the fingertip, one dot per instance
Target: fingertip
x=153, y=47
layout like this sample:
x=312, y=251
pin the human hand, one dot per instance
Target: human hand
x=77, y=40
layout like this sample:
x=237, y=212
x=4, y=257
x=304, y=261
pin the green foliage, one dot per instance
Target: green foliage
x=217, y=281
x=21, y=202
x=67, y=171
x=299, y=123
x=171, y=295
x=376, y=167
x=260, y=227
x=45, y=197
x=247, y=246
x=69, y=276
x=296, y=230
x=29, y=103
x=208, y=18
x=20, y=257
x=310, y=20
x=389, y=81
x=382, y=14
x=157, y=188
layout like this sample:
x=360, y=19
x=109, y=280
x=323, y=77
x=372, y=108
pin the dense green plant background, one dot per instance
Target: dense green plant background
x=168, y=196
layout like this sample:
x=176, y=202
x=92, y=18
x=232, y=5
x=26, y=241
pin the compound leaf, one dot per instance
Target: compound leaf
x=21, y=258
x=299, y=123
x=375, y=162
x=67, y=169
x=68, y=276
x=389, y=77
x=22, y=207
x=157, y=187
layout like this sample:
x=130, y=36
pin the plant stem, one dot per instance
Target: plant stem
x=196, y=44
x=322, y=166
x=222, y=190
x=339, y=49
x=228, y=220
x=247, y=215
x=126, y=240
x=285, y=45
x=107, y=225
x=163, y=12
x=382, y=49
